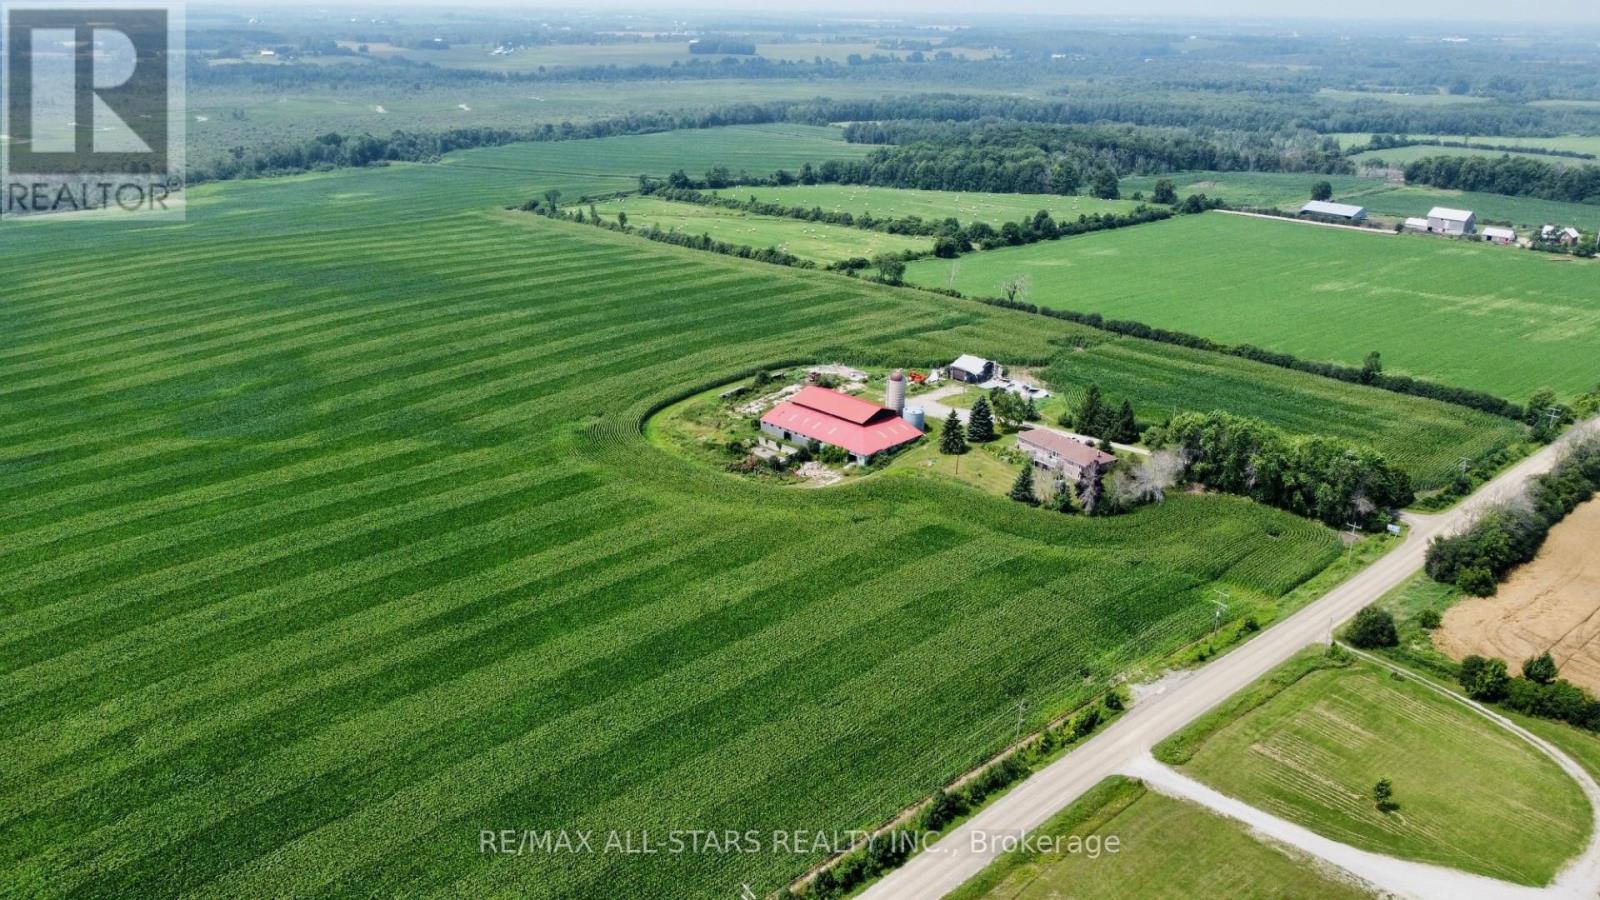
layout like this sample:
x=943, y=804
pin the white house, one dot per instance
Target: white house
x=1444, y=220
x=1322, y=209
x=1499, y=235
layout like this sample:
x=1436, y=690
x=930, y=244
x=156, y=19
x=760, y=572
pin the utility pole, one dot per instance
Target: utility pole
x=1022, y=706
x=1355, y=531
x=1465, y=464
x=1216, y=620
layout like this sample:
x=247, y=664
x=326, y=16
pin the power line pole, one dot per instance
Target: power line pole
x=1022, y=706
x=1216, y=619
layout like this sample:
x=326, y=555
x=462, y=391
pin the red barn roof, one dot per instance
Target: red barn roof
x=830, y=417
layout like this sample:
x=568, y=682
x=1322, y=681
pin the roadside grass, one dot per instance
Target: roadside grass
x=1167, y=848
x=1310, y=742
x=1436, y=309
x=1416, y=649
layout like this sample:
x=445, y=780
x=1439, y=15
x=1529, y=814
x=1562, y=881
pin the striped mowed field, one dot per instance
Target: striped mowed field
x=329, y=540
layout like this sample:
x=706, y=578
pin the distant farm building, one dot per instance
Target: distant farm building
x=1444, y=220
x=973, y=369
x=1056, y=452
x=1499, y=235
x=1566, y=237
x=1417, y=224
x=1340, y=212
x=860, y=428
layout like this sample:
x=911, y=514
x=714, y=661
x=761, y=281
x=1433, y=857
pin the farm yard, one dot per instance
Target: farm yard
x=1424, y=437
x=967, y=207
x=1388, y=200
x=344, y=508
x=1445, y=311
x=816, y=241
x=1313, y=752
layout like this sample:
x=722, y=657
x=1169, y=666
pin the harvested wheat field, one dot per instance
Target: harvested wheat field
x=1553, y=603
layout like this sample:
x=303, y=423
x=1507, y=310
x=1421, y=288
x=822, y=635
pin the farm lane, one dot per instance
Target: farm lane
x=965, y=851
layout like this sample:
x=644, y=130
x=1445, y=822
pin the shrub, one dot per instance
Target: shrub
x=1484, y=679
x=1540, y=669
x=1373, y=627
x=1478, y=581
x=1428, y=618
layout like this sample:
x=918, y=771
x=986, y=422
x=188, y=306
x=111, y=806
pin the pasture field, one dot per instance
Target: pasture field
x=1168, y=849
x=331, y=539
x=1425, y=438
x=816, y=241
x=1289, y=191
x=968, y=207
x=1472, y=796
x=1571, y=142
x=1398, y=157
x=1493, y=318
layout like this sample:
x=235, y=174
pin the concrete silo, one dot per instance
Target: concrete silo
x=894, y=396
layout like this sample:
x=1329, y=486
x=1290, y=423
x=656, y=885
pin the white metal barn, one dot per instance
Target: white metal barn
x=1345, y=212
x=1444, y=220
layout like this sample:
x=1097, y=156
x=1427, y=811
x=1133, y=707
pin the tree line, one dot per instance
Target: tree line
x=1335, y=481
x=1517, y=176
x=1507, y=536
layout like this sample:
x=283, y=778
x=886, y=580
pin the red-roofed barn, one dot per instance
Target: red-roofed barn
x=859, y=427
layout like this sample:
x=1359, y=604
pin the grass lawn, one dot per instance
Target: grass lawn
x=1471, y=795
x=967, y=207
x=1493, y=318
x=816, y=241
x=1167, y=848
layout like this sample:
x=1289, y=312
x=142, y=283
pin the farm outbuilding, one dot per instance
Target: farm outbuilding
x=1444, y=220
x=860, y=428
x=1566, y=236
x=1417, y=224
x=1344, y=212
x=1499, y=235
x=973, y=369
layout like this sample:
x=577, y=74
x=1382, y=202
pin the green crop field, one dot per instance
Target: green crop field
x=967, y=207
x=1167, y=849
x=1400, y=156
x=1493, y=318
x=331, y=539
x=1424, y=437
x=1577, y=143
x=1289, y=191
x=816, y=241
x=1472, y=796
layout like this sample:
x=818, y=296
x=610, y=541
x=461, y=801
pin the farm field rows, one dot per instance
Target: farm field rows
x=317, y=565
x=967, y=207
x=1289, y=191
x=1425, y=438
x=1492, y=318
x=1471, y=795
x=816, y=241
x=1218, y=858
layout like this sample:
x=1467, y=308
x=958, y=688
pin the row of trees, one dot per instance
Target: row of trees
x=1332, y=480
x=1507, y=536
x=1517, y=176
x=1540, y=691
x=1395, y=141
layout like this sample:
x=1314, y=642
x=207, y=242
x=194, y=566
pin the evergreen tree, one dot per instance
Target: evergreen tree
x=980, y=425
x=951, y=439
x=1371, y=367
x=1127, y=429
x=1022, y=488
x=1091, y=412
x=1031, y=411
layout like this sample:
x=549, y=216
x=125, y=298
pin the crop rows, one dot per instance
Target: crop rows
x=314, y=566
